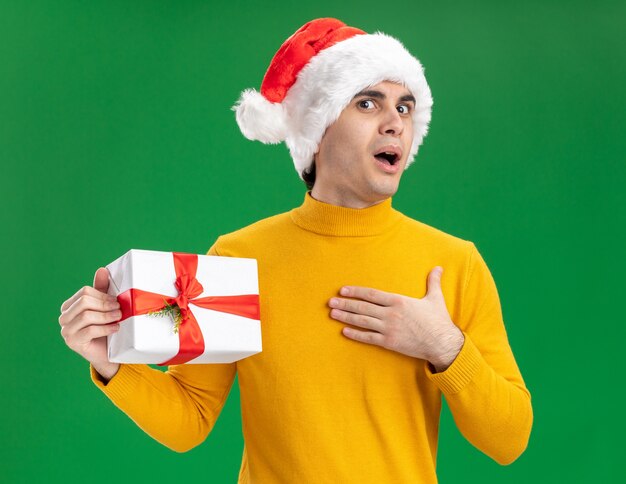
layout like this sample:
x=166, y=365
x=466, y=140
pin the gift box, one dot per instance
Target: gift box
x=184, y=308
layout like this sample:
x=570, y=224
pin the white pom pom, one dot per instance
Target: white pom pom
x=260, y=119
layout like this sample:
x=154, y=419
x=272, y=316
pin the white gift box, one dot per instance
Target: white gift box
x=151, y=339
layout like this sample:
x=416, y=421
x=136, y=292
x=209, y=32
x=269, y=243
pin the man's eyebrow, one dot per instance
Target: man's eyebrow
x=408, y=97
x=379, y=95
x=370, y=93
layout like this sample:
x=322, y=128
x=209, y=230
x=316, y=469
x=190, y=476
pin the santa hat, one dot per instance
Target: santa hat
x=314, y=76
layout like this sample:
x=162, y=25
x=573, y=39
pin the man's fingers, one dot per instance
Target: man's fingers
x=369, y=337
x=74, y=297
x=369, y=294
x=87, y=319
x=87, y=304
x=99, y=289
x=85, y=291
x=359, y=307
x=92, y=332
x=101, y=280
x=77, y=339
x=358, y=320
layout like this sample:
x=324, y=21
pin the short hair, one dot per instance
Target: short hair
x=308, y=175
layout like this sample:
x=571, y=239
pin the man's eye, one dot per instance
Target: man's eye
x=364, y=103
x=407, y=109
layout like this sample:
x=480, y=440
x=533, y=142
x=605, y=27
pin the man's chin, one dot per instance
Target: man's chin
x=389, y=184
x=383, y=190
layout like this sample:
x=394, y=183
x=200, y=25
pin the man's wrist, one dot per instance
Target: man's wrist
x=451, y=346
x=106, y=370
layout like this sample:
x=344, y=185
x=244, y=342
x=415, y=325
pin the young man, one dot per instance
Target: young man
x=361, y=332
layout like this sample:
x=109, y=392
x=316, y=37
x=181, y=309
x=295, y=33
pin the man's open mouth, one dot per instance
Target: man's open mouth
x=389, y=156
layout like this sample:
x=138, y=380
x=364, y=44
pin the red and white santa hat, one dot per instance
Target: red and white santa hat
x=314, y=76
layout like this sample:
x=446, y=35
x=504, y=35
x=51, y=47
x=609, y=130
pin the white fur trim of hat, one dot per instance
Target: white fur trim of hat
x=299, y=110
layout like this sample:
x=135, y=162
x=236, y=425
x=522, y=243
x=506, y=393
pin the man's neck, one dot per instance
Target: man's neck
x=346, y=199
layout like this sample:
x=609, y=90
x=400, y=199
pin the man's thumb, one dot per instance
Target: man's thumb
x=101, y=280
x=434, y=280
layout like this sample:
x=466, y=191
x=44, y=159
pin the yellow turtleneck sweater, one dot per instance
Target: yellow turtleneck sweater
x=318, y=407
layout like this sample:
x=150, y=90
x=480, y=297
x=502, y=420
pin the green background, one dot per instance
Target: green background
x=116, y=133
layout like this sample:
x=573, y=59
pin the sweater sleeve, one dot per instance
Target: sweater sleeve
x=178, y=407
x=483, y=386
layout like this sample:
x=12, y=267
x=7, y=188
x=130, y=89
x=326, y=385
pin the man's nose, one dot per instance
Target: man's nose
x=392, y=122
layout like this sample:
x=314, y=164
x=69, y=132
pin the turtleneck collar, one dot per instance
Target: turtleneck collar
x=327, y=219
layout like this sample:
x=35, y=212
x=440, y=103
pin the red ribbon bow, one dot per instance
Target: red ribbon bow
x=134, y=302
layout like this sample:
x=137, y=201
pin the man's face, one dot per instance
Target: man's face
x=349, y=170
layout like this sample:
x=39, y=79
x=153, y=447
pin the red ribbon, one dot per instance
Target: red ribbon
x=134, y=302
